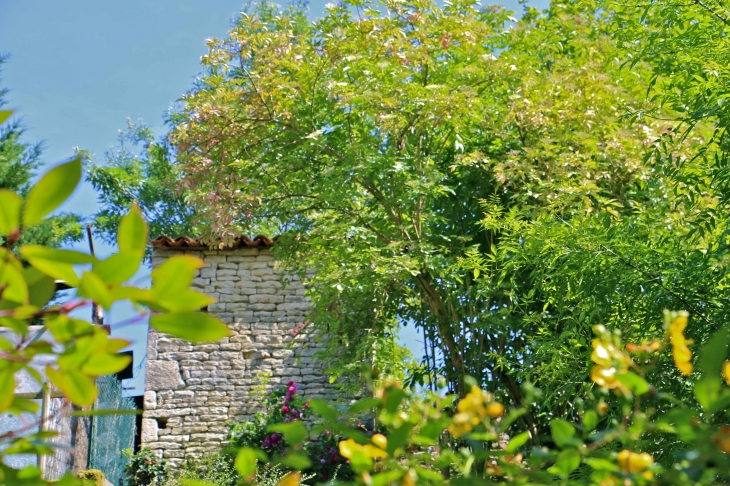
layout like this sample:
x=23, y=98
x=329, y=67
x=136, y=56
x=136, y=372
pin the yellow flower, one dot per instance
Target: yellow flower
x=349, y=447
x=495, y=410
x=476, y=406
x=380, y=440
x=682, y=354
x=726, y=371
x=631, y=462
x=291, y=479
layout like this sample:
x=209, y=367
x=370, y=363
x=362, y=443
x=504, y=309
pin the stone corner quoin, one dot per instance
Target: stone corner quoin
x=192, y=391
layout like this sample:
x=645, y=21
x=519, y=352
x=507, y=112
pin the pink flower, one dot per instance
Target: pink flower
x=284, y=409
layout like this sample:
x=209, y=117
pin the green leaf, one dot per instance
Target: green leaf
x=78, y=388
x=707, y=389
x=296, y=461
x=118, y=268
x=12, y=279
x=10, y=204
x=246, y=462
x=194, y=326
x=186, y=300
x=397, y=438
x=517, y=441
x=174, y=275
x=600, y=464
x=393, y=399
x=590, y=420
x=4, y=115
x=364, y=404
x=634, y=382
x=294, y=432
x=567, y=462
x=35, y=252
x=105, y=364
x=714, y=353
x=360, y=463
x=7, y=387
x=132, y=234
x=51, y=191
x=563, y=433
x=92, y=287
x=41, y=287
x=323, y=409
x=64, y=328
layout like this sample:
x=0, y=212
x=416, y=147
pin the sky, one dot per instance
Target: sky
x=78, y=69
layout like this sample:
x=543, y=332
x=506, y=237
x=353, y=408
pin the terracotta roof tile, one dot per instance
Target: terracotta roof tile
x=185, y=242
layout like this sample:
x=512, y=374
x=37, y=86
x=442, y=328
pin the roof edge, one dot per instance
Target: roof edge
x=187, y=243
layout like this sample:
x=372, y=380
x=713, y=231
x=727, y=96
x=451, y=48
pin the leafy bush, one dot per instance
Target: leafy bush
x=434, y=439
x=217, y=469
x=91, y=477
x=146, y=469
x=284, y=405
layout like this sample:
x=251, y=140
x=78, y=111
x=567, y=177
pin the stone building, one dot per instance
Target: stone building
x=192, y=391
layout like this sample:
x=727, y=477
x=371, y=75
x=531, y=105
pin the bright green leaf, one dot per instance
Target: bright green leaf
x=51, y=191
x=92, y=287
x=193, y=326
x=246, y=462
x=517, y=441
x=132, y=235
x=4, y=115
x=77, y=387
x=294, y=432
x=10, y=204
x=118, y=268
x=7, y=387
x=563, y=433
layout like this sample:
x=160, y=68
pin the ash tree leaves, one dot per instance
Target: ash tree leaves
x=82, y=351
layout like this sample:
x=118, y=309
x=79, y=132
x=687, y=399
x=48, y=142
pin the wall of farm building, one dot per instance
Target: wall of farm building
x=192, y=391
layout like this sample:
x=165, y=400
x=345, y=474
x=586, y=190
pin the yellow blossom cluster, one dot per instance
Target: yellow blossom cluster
x=682, y=354
x=634, y=463
x=610, y=361
x=726, y=372
x=476, y=406
x=349, y=447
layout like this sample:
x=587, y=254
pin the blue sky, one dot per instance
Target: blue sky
x=79, y=68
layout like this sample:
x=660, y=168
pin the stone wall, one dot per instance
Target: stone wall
x=193, y=391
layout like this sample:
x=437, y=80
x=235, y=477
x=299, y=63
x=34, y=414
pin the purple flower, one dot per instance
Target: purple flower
x=267, y=442
x=284, y=409
x=295, y=412
x=322, y=460
x=291, y=382
x=275, y=437
x=292, y=389
x=326, y=432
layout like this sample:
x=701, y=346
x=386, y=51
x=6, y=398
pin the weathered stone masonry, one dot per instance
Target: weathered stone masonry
x=192, y=391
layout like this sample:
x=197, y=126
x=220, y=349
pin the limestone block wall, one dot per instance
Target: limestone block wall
x=192, y=391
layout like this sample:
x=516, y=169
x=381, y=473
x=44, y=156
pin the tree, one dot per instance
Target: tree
x=148, y=179
x=683, y=49
x=19, y=162
x=375, y=138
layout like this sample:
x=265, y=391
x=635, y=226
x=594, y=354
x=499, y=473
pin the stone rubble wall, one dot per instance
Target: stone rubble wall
x=193, y=391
